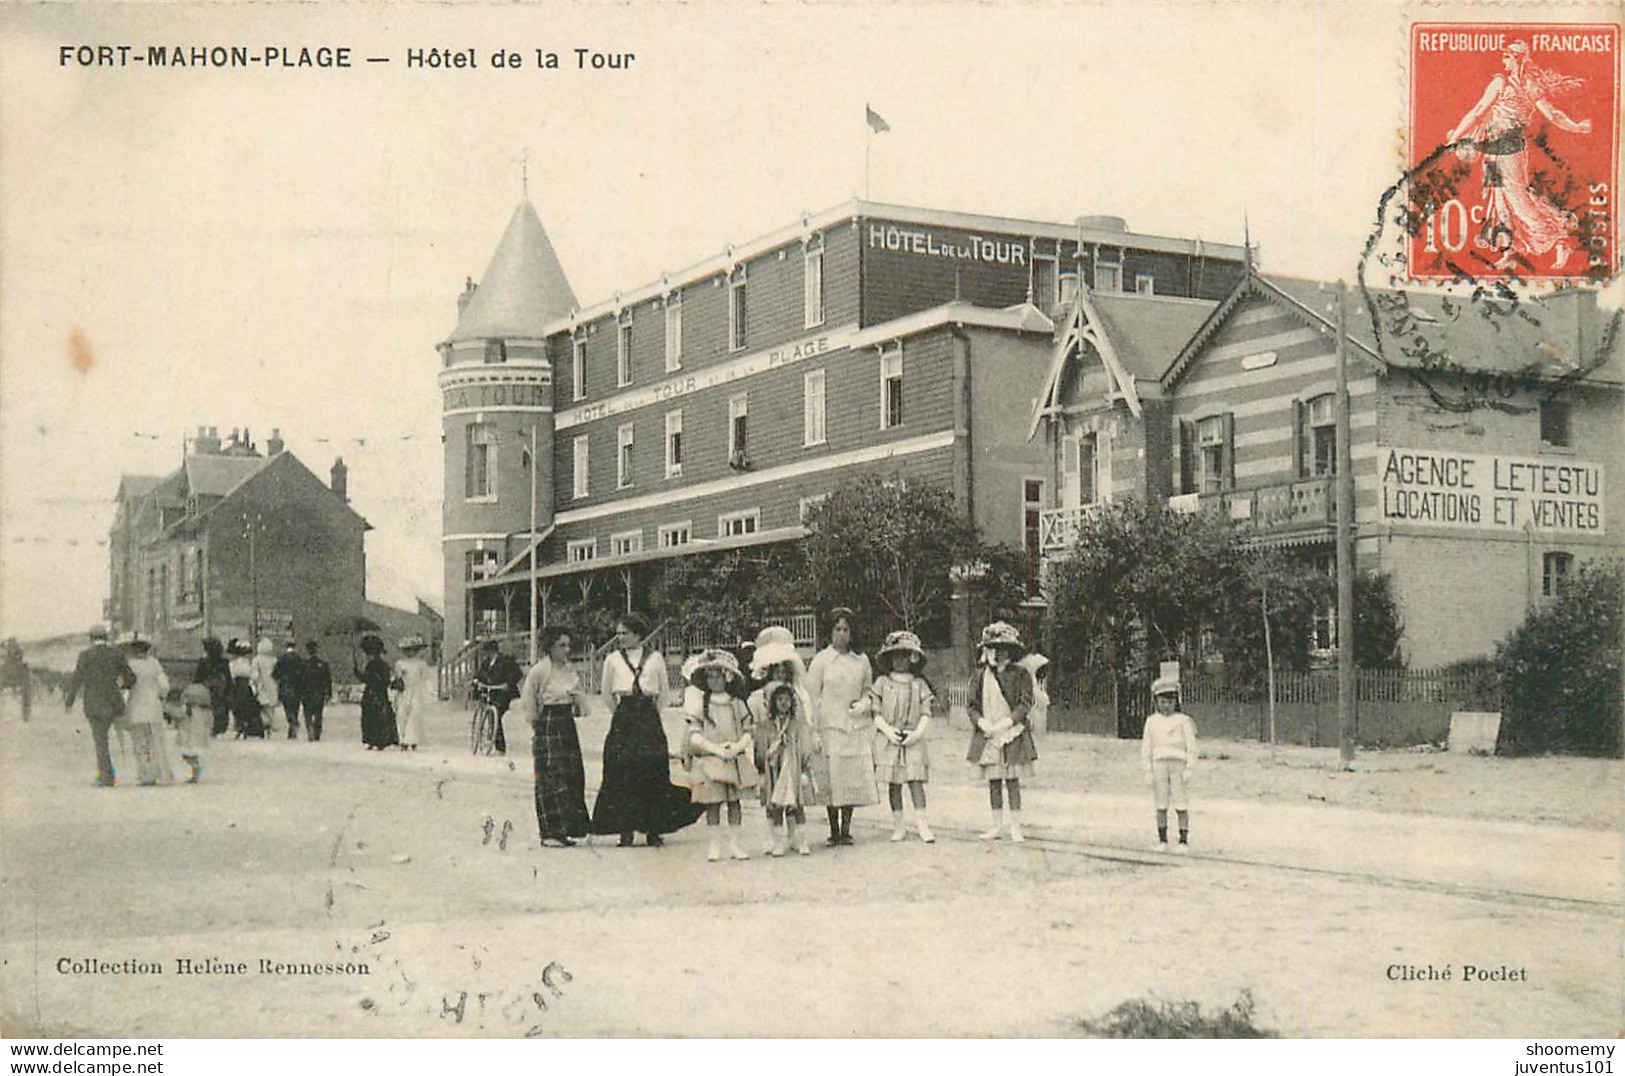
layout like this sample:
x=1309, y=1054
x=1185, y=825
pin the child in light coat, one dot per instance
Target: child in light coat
x=1168, y=751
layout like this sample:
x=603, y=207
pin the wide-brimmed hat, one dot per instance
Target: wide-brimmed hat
x=1002, y=634
x=98, y=631
x=411, y=642
x=695, y=668
x=263, y=647
x=902, y=642
x=1165, y=685
x=312, y=645
x=774, y=646
x=238, y=648
x=135, y=640
x=371, y=644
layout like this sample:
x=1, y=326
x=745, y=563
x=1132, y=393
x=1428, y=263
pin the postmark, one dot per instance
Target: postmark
x=1513, y=151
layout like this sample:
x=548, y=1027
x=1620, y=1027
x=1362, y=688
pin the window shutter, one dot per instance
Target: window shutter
x=1229, y=450
x=1300, y=439
x=1103, y=467
x=1069, y=471
x=1187, y=457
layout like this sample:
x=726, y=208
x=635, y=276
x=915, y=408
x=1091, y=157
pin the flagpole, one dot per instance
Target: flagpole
x=868, y=140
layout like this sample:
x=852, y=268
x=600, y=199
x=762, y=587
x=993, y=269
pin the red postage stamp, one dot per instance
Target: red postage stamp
x=1514, y=151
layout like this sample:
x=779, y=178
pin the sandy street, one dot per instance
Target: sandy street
x=1325, y=894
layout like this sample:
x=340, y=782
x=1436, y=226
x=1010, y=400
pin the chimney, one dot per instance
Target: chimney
x=341, y=480
x=207, y=441
x=275, y=445
x=468, y=293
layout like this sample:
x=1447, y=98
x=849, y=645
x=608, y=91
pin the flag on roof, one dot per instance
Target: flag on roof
x=876, y=123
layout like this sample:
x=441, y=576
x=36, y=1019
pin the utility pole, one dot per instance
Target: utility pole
x=1344, y=479
x=250, y=525
x=531, y=644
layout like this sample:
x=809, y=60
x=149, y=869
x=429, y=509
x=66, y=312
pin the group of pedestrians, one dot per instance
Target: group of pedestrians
x=233, y=688
x=779, y=733
x=395, y=699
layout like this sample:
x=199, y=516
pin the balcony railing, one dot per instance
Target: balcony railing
x=1058, y=527
x=1304, y=504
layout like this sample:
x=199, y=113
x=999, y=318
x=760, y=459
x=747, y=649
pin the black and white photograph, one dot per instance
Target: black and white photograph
x=811, y=521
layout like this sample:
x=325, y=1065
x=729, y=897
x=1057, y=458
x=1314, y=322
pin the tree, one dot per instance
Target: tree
x=727, y=594
x=884, y=549
x=1560, y=670
x=1140, y=582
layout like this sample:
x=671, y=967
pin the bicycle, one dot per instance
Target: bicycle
x=482, y=726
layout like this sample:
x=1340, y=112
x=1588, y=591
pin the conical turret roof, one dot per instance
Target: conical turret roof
x=524, y=288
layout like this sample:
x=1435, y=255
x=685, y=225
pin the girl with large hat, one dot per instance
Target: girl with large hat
x=415, y=692
x=838, y=683
x=901, y=697
x=774, y=661
x=718, y=745
x=636, y=794
x=1001, y=739
x=245, y=704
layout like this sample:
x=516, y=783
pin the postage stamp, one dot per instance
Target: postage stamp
x=1513, y=151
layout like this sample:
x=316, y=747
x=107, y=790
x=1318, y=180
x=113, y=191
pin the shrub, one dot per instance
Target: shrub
x=1141, y=1019
x=1560, y=670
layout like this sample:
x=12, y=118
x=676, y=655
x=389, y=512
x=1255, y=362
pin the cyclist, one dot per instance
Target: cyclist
x=501, y=676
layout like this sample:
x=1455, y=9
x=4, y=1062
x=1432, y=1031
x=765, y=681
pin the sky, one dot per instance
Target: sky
x=283, y=248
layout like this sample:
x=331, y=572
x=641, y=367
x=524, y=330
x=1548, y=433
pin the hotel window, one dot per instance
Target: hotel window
x=1554, y=573
x=1032, y=508
x=480, y=564
x=1046, y=274
x=1554, y=424
x=813, y=282
x=1144, y=284
x=674, y=444
x=625, y=543
x=738, y=429
x=578, y=367
x=183, y=579
x=812, y=408
x=674, y=331
x=1108, y=277
x=673, y=535
x=891, y=387
x=1317, y=436
x=623, y=349
x=496, y=351
x=1088, y=469
x=623, y=456
x=580, y=457
x=736, y=309
x=739, y=524
x=1213, y=454
x=479, y=475
x=580, y=551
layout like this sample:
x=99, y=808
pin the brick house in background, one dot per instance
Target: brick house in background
x=706, y=410
x=1481, y=436
x=238, y=544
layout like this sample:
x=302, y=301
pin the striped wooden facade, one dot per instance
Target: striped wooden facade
x=1255, y=378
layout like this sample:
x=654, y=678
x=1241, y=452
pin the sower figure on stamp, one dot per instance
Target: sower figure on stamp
x=100, y=674
x=1520, y=219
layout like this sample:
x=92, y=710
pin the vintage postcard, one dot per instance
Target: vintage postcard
x=822, y=521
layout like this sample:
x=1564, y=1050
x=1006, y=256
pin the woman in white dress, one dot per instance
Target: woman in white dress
x=145, y=713
x=415, y=692
x=837, y=681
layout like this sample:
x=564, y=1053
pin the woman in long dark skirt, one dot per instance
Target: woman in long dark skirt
x=550, y=700
x=245, y=705
x=377, y=715
x=636, y=794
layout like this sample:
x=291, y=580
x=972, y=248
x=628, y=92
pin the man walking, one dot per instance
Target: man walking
x=287, y=674
x=100, y=673
x=315, y=688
